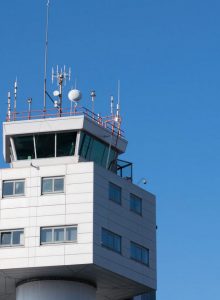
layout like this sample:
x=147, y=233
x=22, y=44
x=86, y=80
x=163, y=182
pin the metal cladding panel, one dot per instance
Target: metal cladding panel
x=132, y=227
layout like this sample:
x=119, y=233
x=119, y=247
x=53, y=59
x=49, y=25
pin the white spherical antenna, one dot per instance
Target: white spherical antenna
x=56, y=93
x=74, y=95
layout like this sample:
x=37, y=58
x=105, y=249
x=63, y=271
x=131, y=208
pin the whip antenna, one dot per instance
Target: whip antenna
x=45, y=56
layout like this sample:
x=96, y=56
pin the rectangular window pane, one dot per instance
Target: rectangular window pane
x=19, y=187
x=18, y=237
x=46, y=235
x=114, y=193
x=71, y=234
x=6, y=238
x=58, y=184
x=24, y=146
x=66, y=142
x=111, y=240
x=8, y=188
x=59, y=234
x=47, y=185
x=135, y=204
x=139, y=253
x=45, y=145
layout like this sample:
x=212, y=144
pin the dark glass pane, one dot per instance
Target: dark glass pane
x=47, y=185
x=114, y=193
x=6, y=238
x=135, y=204
x=71, y=234
x=97, y=152
x=111, y=240
x=24, y=146
x=145, y=256
x=112, y=158
x=45, y=145
x=17, y=238
x=66, y=142
x=59, y=235
x=19, y=187
x=46, y=235
x=8, y=188
x=85, y=147
x=58, y=184
x=135, y=252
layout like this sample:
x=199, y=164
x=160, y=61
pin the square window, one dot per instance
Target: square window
x=46, y=235
x=115, y=193
x=18, y=237
x=19, y=187
x=111, y=240
x=52, y=185
x=58, y=185
x=8, y=188
x=71, y=233
x=136, y=204
x=6, y=238
x=47, y=185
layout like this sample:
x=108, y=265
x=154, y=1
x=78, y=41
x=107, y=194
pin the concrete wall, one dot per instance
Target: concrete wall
x=34, y=210
x=130, y=226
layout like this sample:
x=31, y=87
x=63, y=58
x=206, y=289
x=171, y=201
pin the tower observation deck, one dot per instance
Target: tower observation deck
x=72, y=223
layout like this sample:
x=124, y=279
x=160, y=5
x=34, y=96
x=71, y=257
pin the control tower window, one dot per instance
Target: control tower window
x=24, y=146
x=66, y=142
x=45, y=145
x=94, y=150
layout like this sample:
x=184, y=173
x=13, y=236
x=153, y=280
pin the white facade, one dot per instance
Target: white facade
x=84, y=203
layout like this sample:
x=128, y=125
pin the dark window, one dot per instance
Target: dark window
x=52, y=185
x=13, y=188
x=111, y=240
x=66, y=142
x=61, y=234
x=139, y=253
x=135, y=204
x=24, y=146
x=45, y=145
x=12, y=238
x=114, y=193
x=94, y=150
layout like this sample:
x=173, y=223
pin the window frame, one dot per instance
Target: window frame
x=142, y=248
x=111, y=184
x=65, y=241
x=137, y=198
x=112, y=234
x=53, y=180
x=11, y=231
x=13, y=181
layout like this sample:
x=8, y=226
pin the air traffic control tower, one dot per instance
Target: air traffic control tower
x=73, y=225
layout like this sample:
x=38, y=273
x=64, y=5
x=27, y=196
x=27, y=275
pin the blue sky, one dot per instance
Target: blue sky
x=167, y=56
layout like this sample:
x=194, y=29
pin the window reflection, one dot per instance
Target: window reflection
x=24, y=146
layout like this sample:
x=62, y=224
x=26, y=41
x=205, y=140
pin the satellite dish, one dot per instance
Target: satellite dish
x=56, y=93
x=74, y=95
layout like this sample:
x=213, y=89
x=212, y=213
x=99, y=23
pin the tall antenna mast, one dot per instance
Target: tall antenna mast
x=15, y=98
x=118, y=104
x=45, y=57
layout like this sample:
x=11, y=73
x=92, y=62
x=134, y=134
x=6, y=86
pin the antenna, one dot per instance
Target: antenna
x=93, y=95
x=112, y=105
x=15, y=97
x=61, y=76
x=118, y=104
x=9, y=107
x=45, y=56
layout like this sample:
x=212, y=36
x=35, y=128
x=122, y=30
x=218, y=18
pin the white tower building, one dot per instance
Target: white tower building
x=73, y=226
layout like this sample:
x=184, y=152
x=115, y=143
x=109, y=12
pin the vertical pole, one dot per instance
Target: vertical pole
x=15, y=98
x=45, y=58
x=9, y=107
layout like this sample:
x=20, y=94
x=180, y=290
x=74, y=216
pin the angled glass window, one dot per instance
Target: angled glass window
x=66, y=142
x=24, y=146
x=12, y=238
x=45, y=145
x=61, y=234
x=52, y=185
x=136, y=204
x=114, y=193
x=13, y=188
x=111, y=240
x=139, y=253
x=95, y=150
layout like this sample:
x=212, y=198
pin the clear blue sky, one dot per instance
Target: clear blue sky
x=167, y=56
